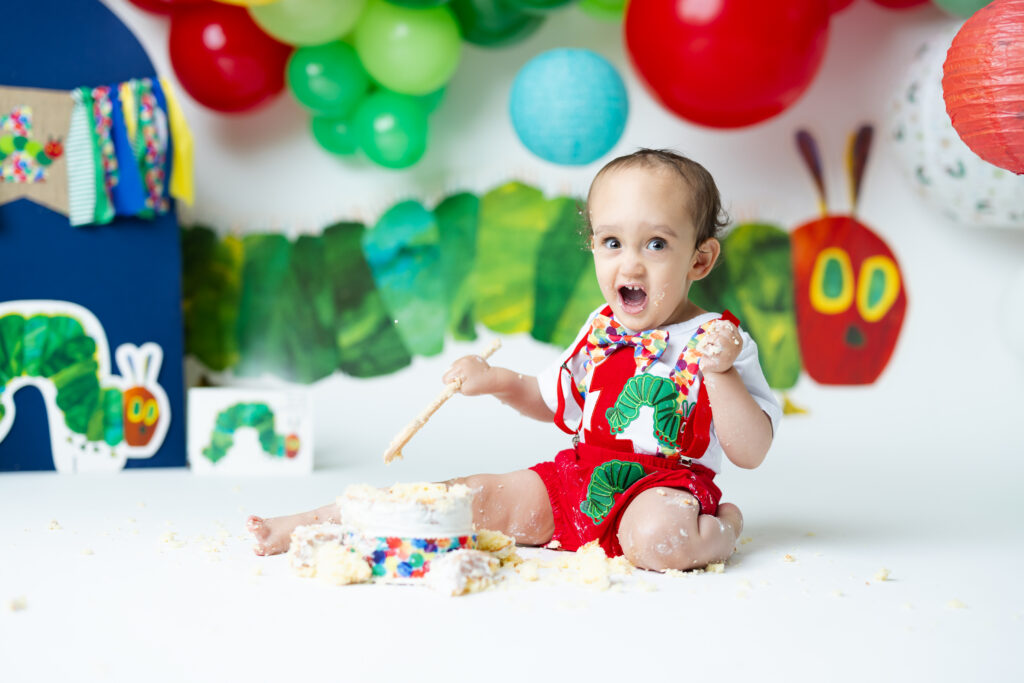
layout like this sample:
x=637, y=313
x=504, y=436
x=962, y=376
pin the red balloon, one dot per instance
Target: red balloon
x=899, y=4
x=983, y=84
x=728, y=63
x=224, y=60
x=838, y=5
x=164, y=6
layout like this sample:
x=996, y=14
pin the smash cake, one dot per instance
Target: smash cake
x=390, y=535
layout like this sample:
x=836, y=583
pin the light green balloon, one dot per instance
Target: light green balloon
x=307, y=22
x=392, y=129
x=409, y=51
x=961, y=8
x=609, y=10
x=336, y=135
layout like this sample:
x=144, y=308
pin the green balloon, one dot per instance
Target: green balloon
x=431, y=101
x=418, y=4
x=961, y=8
x=336, y=135
x=609, y=10
x=409, y=51
x=494, y=23
x=328, y=79
x=540, y=6
x=307, y=22
x=392, y=129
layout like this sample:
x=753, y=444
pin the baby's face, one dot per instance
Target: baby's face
x=643, y=246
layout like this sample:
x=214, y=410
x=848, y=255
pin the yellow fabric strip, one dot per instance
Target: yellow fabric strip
x=181, y=186
x=127, y=96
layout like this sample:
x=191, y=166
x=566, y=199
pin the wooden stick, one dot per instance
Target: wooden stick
x=394, y=450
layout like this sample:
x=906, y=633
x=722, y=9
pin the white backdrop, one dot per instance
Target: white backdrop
x=948, y=392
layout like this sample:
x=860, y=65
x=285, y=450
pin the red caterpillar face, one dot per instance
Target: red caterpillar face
x=141, y=413
x=291, y=445
x=53, y=148
x=850, y=300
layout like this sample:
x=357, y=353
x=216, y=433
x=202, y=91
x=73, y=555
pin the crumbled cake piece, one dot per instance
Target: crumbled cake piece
x=788, y=558
x=882, y=574
x=55, y=525
x=87, y=551
x=17, y=604
x=553, y=544
x=496, y=543
x=745, y=540
x=528, y=570
x=305, y=540
x=341, y=565
x=715, y=568
x=461, y=572
x=955, y=604
x=170, y=538
x=836, y=593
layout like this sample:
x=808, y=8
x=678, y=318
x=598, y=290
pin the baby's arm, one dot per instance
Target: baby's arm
x=522, y=392
x=743, y=428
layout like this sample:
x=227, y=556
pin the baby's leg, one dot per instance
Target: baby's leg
x=516, y=504
x=661, y=529
x=273, y=535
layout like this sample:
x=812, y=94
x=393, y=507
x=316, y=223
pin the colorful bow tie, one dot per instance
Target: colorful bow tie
x=606, y=336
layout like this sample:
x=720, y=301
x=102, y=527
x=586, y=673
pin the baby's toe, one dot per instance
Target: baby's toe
x=257, y=527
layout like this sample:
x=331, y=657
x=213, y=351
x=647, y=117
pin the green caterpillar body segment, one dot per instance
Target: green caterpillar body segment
x=756, y=283
x=607, y=481
x=647, y=390
x=258, y=416
x=19, y=143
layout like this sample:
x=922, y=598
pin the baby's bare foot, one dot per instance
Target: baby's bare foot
x=273, y=536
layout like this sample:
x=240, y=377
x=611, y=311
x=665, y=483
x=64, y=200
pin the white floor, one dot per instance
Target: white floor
x=110, y=595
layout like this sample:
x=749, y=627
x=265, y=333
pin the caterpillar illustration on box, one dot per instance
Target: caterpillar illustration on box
x=827, y=298
x=96, y=419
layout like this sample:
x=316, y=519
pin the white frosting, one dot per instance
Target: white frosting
x=461, y=571
x=408, y=510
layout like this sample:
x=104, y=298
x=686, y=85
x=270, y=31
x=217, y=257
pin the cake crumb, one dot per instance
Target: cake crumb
x=788, y=558
x=17, y=604
x=674, y=573
x=882, y=574
x=496, y=543
x=257, y=570
x=836, y=593
x=955, y=604
x=745, y=540
x=744, y=584
x=54, y=525
x=554, y=544
x=716, y=568
x=741, y=595
x=171, y=538
x=528, y=570
x=646, y=587
x=810, y=534
x=87, y=551
x=907, y=606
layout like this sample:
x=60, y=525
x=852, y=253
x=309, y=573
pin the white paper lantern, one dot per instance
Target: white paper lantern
x=942, y=169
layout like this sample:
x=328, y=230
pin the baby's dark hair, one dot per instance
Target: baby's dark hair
x=708, y=216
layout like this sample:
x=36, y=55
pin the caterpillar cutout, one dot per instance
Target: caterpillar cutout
x=606, y=481
x=44, y=155
x=96, y=419
x=366, y=301
x=257, y=416
x=648, y=390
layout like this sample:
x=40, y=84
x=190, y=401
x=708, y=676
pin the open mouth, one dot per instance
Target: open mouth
x=633, y=298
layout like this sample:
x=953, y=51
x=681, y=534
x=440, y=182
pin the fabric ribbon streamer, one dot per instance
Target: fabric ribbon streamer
x=128, y=148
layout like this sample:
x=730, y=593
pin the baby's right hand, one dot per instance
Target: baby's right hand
x=474, y=373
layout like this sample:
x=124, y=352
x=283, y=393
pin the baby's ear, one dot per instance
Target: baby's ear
x=704, y=258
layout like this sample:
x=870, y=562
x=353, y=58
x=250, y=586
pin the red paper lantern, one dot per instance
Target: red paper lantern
x=223, y=59
x=983, y=84
x=728, y=63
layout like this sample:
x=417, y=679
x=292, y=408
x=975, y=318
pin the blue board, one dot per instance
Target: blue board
x=127, y=273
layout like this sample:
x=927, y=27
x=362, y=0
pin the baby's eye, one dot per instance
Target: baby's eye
x=657, y=244
x=611, y=243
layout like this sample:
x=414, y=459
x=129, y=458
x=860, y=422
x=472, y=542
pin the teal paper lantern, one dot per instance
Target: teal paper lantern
x=568, y=106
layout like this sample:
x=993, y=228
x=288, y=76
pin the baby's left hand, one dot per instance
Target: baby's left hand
x=720, y=347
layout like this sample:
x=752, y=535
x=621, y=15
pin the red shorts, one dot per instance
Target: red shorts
x=590, y=487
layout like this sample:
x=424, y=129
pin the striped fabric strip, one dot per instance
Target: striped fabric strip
x=81, y=166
